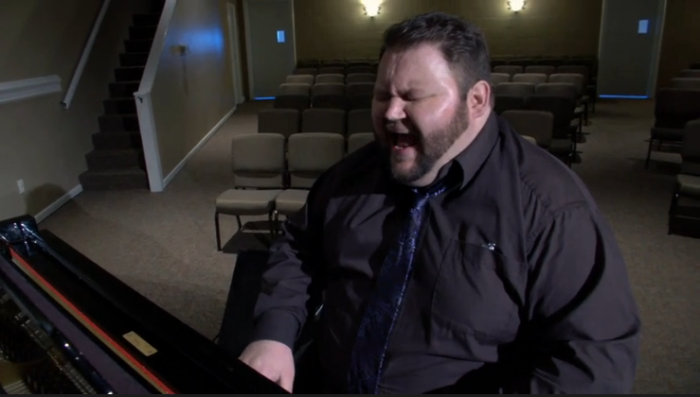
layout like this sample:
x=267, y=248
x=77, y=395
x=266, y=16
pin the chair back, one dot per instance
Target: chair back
x=257, y=160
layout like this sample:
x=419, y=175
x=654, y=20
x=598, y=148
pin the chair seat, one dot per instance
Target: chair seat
x=291, y=201
x=530, y=139
x=246, y=202
x=578, y=111
x=689, y=185
x=667, y=134
x=560, y=146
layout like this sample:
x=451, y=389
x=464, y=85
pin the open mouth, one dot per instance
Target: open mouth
x=404, y=141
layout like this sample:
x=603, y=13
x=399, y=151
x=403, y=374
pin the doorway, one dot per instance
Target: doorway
x=236, y=64
x=271, y=46
x=630, y=44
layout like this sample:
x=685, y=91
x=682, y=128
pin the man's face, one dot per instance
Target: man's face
x=417, y=110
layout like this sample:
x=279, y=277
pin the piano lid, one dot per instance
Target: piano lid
x=147, y=342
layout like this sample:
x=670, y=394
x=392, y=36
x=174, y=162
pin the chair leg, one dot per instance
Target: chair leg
x=646, y=164
x=672, y=210
x=273, y=224
x=218, y=232
x=276, y=221
x=240, y=224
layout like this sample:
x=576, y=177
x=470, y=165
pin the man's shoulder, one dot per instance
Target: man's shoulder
x=546, y=180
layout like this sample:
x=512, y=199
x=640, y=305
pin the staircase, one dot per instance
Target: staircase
x=117, y=161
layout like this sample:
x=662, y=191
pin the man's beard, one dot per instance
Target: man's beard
x=429, y=149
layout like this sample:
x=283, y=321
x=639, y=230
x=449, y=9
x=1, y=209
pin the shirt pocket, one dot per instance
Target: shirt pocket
x=471, y=300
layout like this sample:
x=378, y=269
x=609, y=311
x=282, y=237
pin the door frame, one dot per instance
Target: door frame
x=654, y=72
x=235, y=48
x=652, y=79
x=249, y=51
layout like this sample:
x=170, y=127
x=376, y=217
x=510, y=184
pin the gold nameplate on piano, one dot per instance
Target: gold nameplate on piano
x=141, y=345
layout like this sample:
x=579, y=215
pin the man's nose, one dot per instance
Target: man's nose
x=396, y=110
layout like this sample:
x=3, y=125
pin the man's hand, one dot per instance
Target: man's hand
x=274, y=360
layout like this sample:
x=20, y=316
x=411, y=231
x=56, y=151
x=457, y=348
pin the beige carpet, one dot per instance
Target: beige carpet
x=163, y=244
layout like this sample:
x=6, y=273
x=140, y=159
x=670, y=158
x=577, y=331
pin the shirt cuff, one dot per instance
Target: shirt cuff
x=279, y=326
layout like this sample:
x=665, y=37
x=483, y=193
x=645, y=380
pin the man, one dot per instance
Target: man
x=454, y=256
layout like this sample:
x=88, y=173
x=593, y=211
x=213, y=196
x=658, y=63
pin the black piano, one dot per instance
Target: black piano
x=68, y=326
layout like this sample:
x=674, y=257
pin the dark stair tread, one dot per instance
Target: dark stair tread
x=117, y=171
x=117, y=140
x=142, y=31
x=120, y=115
x=127, y=59
x=147, y=19
x=115, y=152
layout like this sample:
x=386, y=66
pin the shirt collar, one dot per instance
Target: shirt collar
x=470, y=160
x=466, y=164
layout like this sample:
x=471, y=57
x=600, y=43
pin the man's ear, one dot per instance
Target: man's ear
x=479, y=98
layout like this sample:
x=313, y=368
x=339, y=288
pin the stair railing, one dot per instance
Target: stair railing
x=78, y=73
x=144, y=105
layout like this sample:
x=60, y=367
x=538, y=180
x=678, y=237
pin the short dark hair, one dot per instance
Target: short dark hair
x=462, y=44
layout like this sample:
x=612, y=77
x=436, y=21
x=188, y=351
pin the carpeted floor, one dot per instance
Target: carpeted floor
x=163, y=244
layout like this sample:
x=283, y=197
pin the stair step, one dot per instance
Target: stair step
x=120, y=105
x=147, y=19
x=142, y=32
x=157, y=6
x=130, y=73
x=133, y=59
x=106, y=160
x=118, y=122
x=138, y=45
x=121, y=140
x=123, y=89
x=126, y=179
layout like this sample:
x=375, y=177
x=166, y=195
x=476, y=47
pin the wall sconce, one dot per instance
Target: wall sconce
x=372, y=7
x=516, y=5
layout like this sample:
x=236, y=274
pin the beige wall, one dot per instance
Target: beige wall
x=40, y=142
x=192, y=93
x=327, y=29
x=681, y=44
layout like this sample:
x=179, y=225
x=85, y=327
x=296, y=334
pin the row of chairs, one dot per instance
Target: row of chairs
x=590, y=61
x=567, y=129
x=688, y=180
x=495, y=61
x=318, y=63
x=291, y=121
x=272, y=174
x=544, y=69
x=538, y=126
x=576, y=79
x=690, y=73
x=688, y=79
x=514, y=96
x=331, y=78
x=673, y=109
x=688, y=83
x=337, y=70
x=324, y=95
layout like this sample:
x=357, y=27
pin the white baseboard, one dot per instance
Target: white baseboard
x=53, y=207
x=194, y=150
x=18, y=90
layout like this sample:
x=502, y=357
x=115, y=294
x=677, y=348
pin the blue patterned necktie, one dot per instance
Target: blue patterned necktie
x=369, y=350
